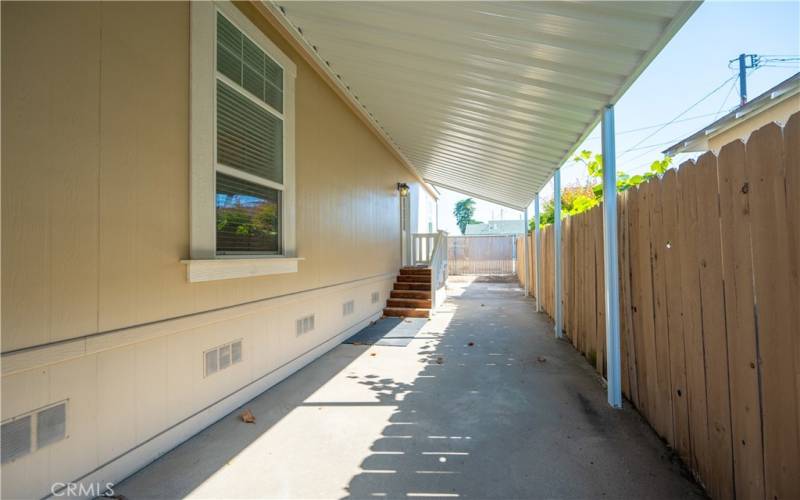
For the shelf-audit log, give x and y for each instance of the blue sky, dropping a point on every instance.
(694, 63)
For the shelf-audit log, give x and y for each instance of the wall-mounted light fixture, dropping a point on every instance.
(402, 188)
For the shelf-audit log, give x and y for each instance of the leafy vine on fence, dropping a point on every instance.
(579, 199)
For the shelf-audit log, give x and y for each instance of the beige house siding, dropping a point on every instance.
(96, 176)
(95, 221)
(779, 113)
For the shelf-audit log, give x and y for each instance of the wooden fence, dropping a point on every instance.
(482, 254)
(709, 260)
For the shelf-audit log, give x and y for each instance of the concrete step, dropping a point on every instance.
(407, 312)
(412, 303)
(424, 271)
(413, 286)
(413, 278)
(410, 294)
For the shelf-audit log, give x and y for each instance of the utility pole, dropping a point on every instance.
(746, 61)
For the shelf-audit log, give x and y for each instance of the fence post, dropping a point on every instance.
(610, 258)
(527, 258)
(557, 252)
(538, 249)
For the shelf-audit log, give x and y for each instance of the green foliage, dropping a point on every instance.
(579, 199)
(464, 210)
(245, 220)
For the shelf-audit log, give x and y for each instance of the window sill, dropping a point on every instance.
(227, 268)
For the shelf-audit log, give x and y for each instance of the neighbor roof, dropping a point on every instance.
(777, 94)
(484, 98)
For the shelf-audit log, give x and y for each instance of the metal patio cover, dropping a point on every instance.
(484, 98)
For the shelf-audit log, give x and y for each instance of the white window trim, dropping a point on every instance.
(203, 166)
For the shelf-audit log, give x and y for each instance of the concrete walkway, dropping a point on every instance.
(438, 418)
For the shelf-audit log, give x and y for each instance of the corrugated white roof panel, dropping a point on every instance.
(487, 98)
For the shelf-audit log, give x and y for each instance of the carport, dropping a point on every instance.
(491, 98)
(488, 99)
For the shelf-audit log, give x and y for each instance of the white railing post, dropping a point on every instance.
(557, 251)
(527, 269)
(610, 262)
(422, 248)
(538, 249)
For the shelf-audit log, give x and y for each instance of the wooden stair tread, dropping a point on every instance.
(415, 271)
(413, 278)
(412, 303)
(406, 312)
(410, 294)
(413, 286)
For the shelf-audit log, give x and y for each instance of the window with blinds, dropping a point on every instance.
(249, 145)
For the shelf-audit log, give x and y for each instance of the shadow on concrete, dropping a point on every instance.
(388, 331)
(503, 410)
(484, 404)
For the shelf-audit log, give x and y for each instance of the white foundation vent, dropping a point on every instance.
(222, 357)
(348, 308)
(376, 296)
(31, 431)
(305, 324)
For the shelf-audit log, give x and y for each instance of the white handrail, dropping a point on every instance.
(422, 245)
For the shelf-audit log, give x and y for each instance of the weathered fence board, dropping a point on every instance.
(709, 259)
(661, 333)
(692, 321)
(672, 281)
(644, 306)
(737, 273)
(776, 337)
(791, 148)
(715, 345)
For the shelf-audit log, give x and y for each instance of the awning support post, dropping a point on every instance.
(527, 257)
(559, 329)
(610, 258)
(538, 252)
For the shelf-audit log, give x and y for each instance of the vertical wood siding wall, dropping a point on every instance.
(710, 309)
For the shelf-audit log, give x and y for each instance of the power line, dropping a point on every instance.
(678, 116)
(648, 127)
(760, 62)
(730, 90)
(651, 146)
(733, 84)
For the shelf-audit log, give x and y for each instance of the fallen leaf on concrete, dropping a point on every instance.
(373, 353)
(440, 360)
(471, 344)
(541, 359)
(248, 417)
